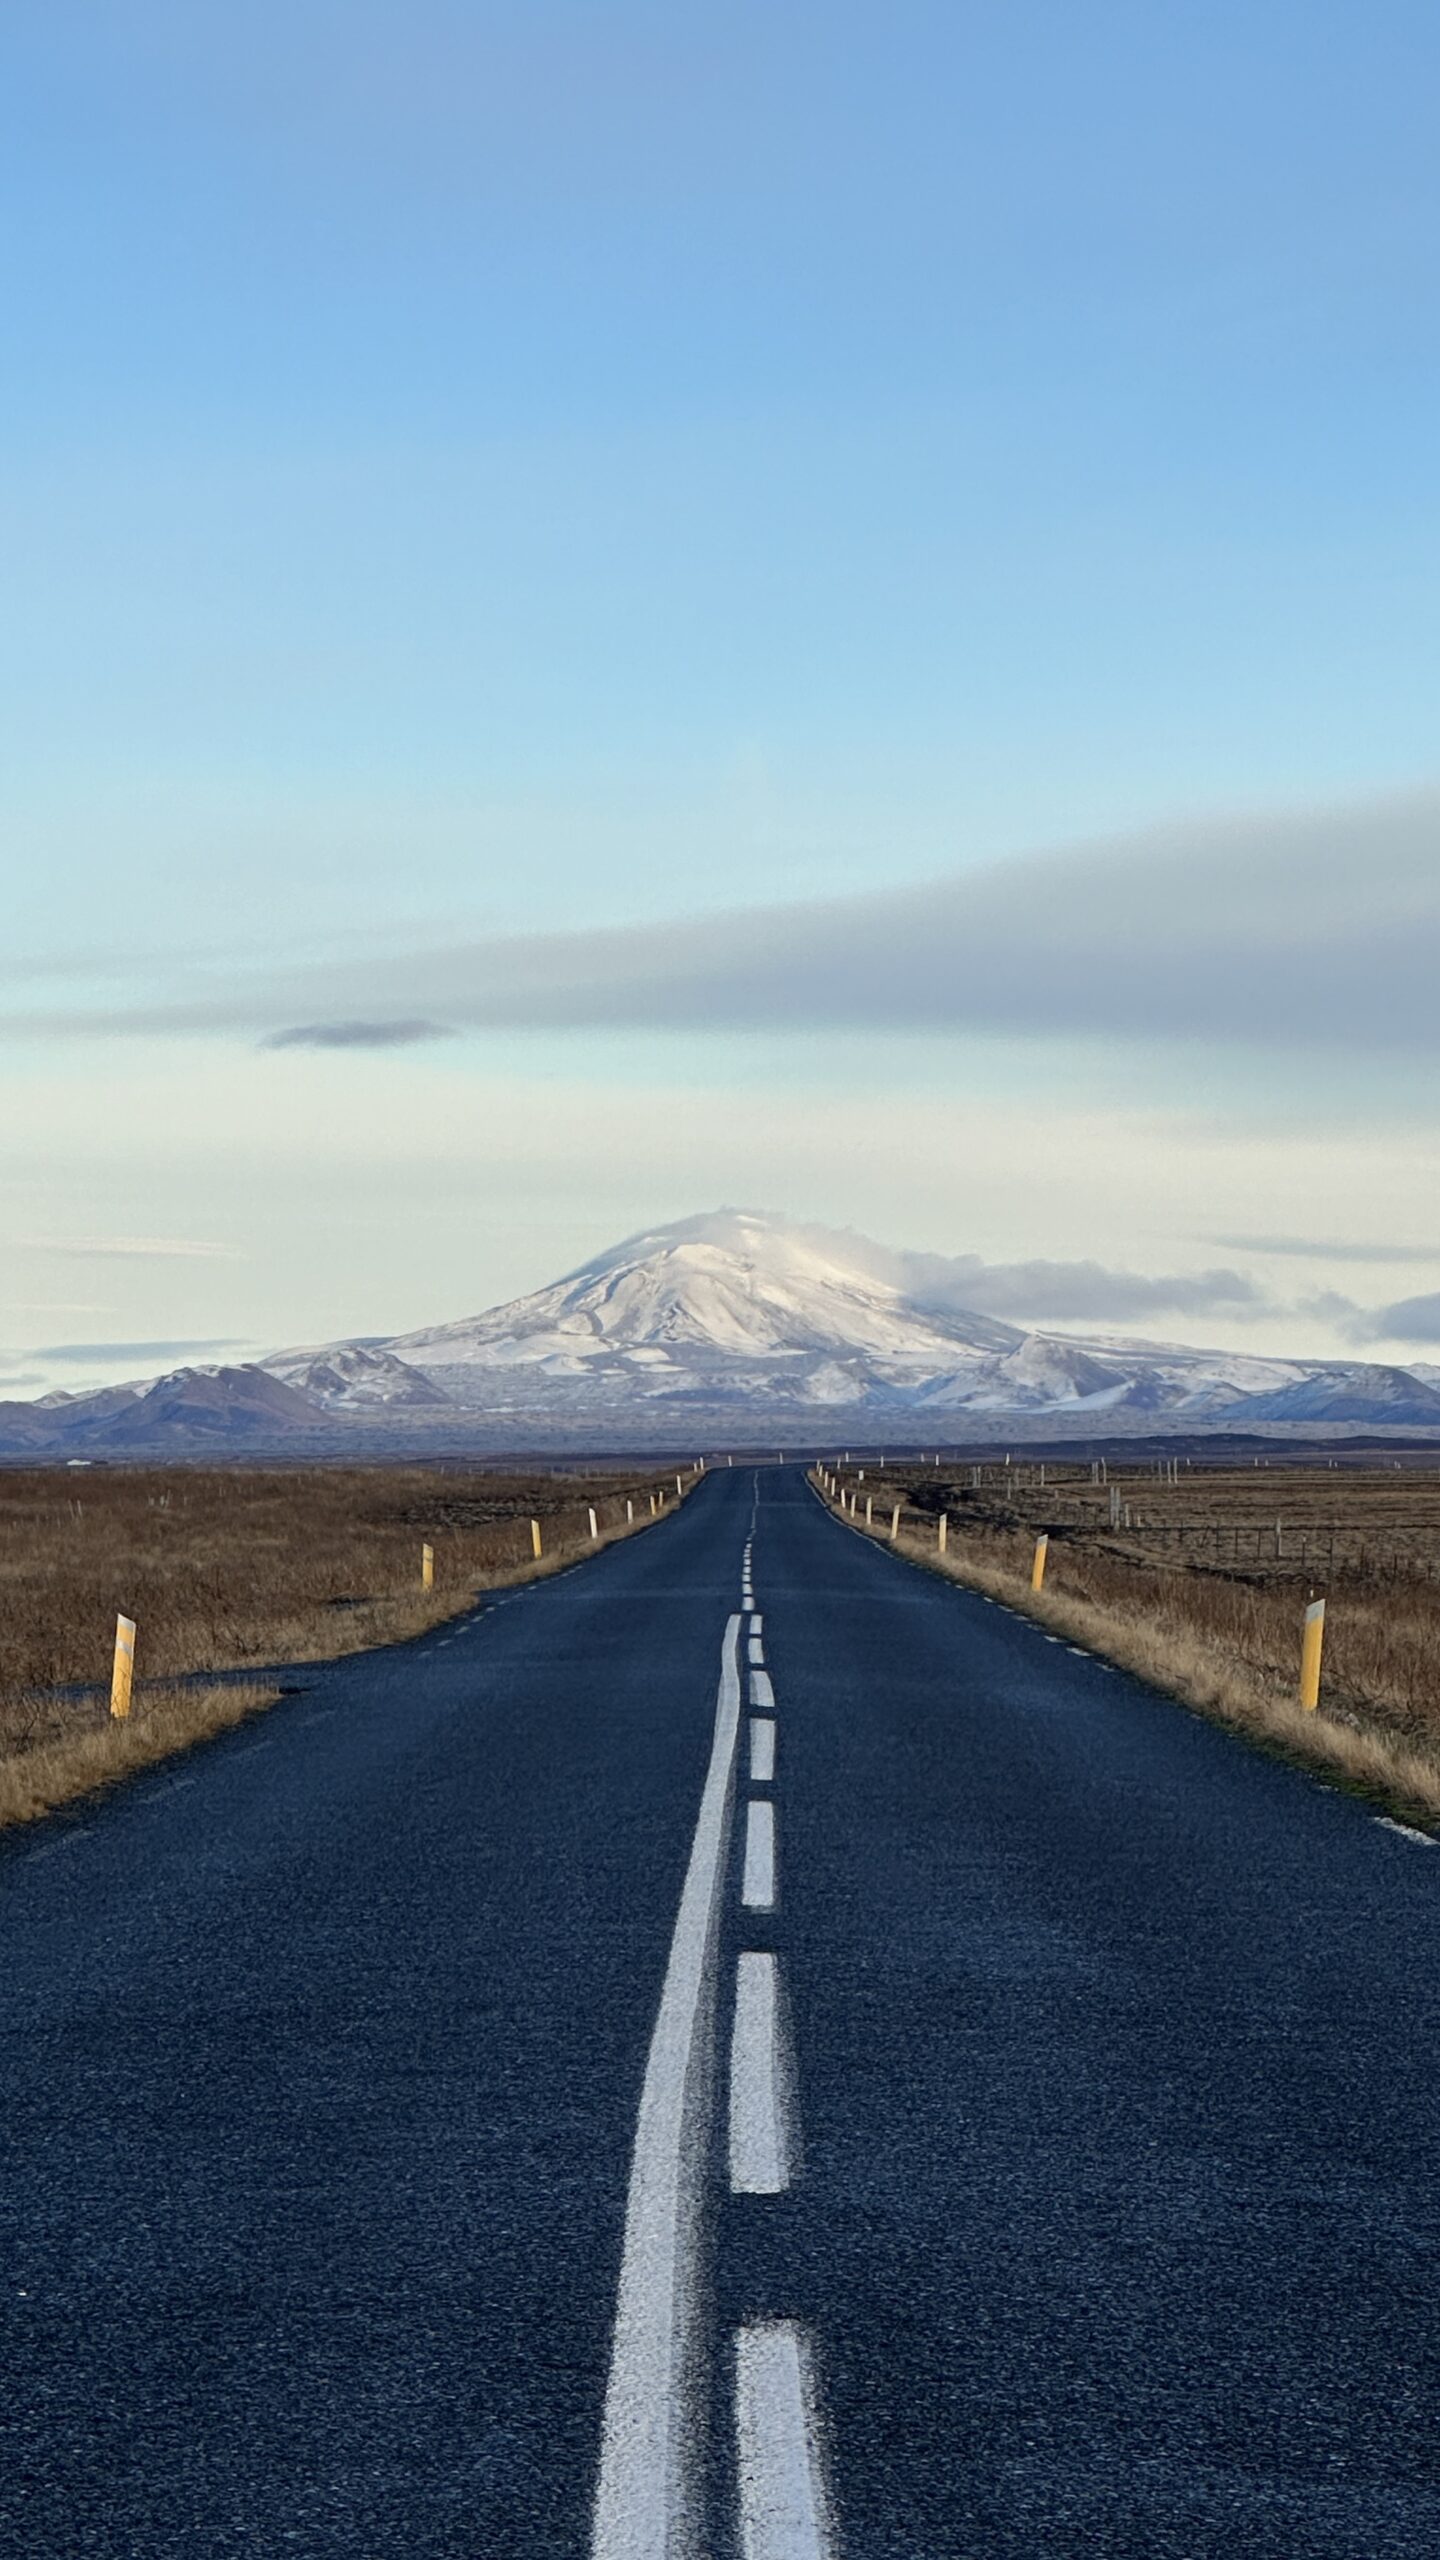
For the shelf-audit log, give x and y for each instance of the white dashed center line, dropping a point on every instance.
(777, 2440)
(647, 2502)
(757, 1650)
(760, 2142)
(758, 1886)
(762, 1751)
(762, 1689)
(756, 1624)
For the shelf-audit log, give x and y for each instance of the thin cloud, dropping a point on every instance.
(81, 1352)
(1319, 929)
(1040, 1292)
(356, 1035)
(1408, 1320)
(1318, 1249)
(1075, 1292)
(160, 1248)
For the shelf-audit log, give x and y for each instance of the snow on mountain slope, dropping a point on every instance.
(718, 1291)
(354, 1377)
(737, 1309)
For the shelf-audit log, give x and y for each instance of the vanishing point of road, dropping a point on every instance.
(741, 2052)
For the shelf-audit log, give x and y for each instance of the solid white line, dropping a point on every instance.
(777, 2446)
(759, 2132)
(762, 1751)
(762, 1689)
(1403, 1831)
(757, 1650)
(647, 2502)
(758, 1887)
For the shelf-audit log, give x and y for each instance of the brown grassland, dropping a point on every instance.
(1201, 1586)
(229, 1569)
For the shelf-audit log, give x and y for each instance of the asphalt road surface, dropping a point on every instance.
(740, 2050)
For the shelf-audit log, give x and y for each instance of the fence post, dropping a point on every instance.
(943, 1533)
(123, 1671)
(535, 1540)
(1311, 1651)
(1037, 1569)
(427, 1567)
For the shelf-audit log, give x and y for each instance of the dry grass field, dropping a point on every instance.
(1201, 1585)
(229, 1569)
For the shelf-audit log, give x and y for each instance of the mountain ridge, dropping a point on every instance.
(721, 1326)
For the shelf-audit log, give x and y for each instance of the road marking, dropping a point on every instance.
(1403, 1831)
(783, 2507)
(1080, 1652)
(762, 1689)
(756, 1623)
(757, 1650)
(762, 1751)
(760, 2144)
(647, 2504)
(758, 1887)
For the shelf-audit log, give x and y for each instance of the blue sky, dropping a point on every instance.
(475, 471)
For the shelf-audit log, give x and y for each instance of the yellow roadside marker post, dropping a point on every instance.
(123, 1672)
(1037, 1569)
(535, 1541)
(1311, 1651)
(427, 1567)
(943, 1533)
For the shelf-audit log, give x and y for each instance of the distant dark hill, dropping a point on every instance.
(188, 1410)
(1361, 1393)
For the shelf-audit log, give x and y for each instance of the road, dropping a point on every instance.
(711, 2057)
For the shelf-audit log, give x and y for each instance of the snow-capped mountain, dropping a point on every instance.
(733, 1303)
(731, 1326)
